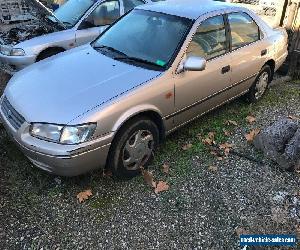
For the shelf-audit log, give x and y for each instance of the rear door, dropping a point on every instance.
(97, 21)
(200, 91)
(249, 51)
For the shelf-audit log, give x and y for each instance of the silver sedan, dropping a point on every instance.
(110, 103)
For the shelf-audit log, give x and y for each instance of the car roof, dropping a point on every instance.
(191, 9)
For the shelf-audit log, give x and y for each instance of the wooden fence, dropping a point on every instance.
(293, 26)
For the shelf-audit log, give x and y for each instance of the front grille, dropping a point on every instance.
(14, 118)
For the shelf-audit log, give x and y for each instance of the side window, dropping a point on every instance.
(130, 4)
(105, 14)
(244, 30)
(209, 41)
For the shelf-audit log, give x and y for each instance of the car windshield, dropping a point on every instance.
(71, 11)
(145, 37)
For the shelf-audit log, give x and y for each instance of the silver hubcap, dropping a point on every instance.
(261, 85)
(138, 149)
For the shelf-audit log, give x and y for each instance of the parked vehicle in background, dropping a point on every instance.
(111, 102)
(73, 24)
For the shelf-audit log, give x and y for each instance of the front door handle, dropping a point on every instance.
(225, 69)
(264, 52)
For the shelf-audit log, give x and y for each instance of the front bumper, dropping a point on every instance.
(64, 160)
(12, 64)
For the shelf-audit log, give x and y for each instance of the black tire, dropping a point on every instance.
(254, 95)
(117, 152)
(48, 53)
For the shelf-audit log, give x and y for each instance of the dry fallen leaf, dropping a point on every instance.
(82, 196)
(251, 136)
(226, 132)
(161, 186)
(208, 141)
(231, 122)
(107, 173)
(166, 168)
(294, 117)
(226, 147)
(213, 168)
(211, 135)
(250, 119)
(148, 177)
(187, 146)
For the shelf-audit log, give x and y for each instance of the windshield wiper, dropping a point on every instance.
(135, 59)
(110, 49)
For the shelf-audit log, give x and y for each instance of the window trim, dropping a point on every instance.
(229, 29)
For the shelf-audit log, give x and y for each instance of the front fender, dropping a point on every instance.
(134, 111)
(64, 39)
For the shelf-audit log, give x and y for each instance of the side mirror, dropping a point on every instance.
(193, 63)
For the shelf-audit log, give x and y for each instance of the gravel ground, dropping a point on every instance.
(204, 208)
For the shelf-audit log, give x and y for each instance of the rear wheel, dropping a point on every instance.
(260, 86)
(133, 147)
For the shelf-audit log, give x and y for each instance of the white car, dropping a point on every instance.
(75, 23)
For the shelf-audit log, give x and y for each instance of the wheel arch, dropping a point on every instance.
(59, 49)
(150, 112)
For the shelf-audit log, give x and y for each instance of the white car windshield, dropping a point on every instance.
(145, 37)
(71, 11)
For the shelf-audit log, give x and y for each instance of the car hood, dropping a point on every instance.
(64, 87)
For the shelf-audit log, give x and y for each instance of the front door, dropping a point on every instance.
(97, 21)
(200, 91)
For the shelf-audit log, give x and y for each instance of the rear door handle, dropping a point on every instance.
(225, 69)
(264, 52)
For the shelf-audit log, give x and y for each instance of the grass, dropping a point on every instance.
(216, 122)
(182, 161)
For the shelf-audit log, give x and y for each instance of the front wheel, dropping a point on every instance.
(133, 147)
(260, 86)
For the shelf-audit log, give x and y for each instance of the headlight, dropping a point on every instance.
(46, 131)
(63, 134)
(78, 134)
(17, 52)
